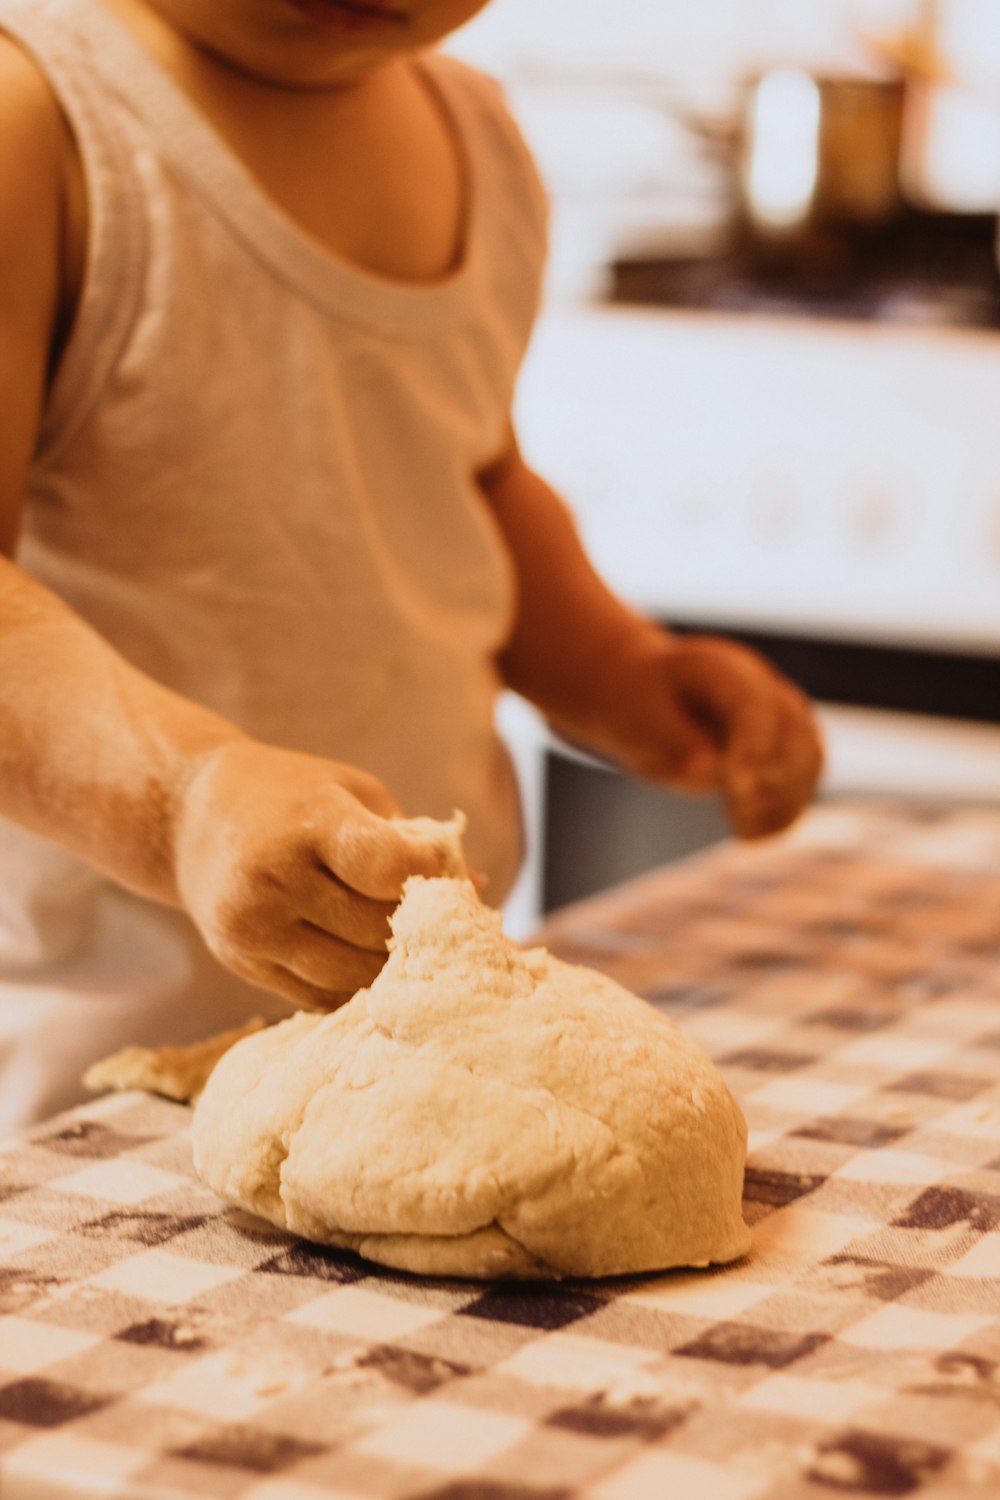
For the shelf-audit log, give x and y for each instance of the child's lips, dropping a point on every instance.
(351, 13)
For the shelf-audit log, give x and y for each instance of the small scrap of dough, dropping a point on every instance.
(176, 1072)
(481, 1111)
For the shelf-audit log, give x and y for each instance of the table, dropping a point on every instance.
(846, 978)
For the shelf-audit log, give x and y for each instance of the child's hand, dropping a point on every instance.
(723, 719)
(290, 866)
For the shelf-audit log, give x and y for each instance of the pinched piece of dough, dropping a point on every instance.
(481, 1111)
(445, 838)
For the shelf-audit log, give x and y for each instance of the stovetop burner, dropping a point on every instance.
(938, 269)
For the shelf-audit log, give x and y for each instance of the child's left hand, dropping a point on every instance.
(719, 718)
(699, 713)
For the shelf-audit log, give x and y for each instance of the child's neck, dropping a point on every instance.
(370, 168)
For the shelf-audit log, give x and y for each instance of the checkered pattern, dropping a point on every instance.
(847, 980)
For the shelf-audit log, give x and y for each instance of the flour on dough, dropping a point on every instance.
(484, 1111)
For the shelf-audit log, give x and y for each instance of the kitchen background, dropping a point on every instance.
(768, 373)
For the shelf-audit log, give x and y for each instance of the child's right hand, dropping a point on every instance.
(290, 866)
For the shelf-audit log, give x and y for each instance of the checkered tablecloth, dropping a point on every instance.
(847, 980)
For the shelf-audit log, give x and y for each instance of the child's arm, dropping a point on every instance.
(694, 712)
(286, 862)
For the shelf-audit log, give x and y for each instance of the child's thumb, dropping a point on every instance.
(698, 764)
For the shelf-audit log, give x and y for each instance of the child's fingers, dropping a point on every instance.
(772, 764)
(300, 992)
(687, 748)
(302, 978)
(699, 767)
(376, 855)
(761, 804)
(327, 963)
(739, 727)
(331, 906)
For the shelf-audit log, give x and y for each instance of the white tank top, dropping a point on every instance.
(255, 477)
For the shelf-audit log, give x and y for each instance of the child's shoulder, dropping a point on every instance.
(35, 139)
(479, 88)
(25, 93)
(487, 99)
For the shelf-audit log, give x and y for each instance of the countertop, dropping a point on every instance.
(846, 978)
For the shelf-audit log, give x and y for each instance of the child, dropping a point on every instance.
(267, 271)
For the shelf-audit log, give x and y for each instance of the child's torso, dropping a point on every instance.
(254, 424)
(256, 473)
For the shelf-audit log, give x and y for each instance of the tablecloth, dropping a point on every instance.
(846, 978)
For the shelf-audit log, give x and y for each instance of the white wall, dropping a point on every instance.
(674, 36)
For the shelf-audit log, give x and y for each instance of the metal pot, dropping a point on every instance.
(819, 152)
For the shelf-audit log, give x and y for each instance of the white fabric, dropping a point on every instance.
(255, 478)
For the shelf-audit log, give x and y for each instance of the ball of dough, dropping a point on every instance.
(484, 1111)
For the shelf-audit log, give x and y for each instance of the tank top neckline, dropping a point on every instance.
(198, 152)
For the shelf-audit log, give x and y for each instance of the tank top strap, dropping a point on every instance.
(116, 238)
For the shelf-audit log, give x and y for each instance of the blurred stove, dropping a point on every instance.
(923, 268)
(826, 489)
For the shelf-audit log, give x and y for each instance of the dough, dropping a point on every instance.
(481, 1111)
(444, 837)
